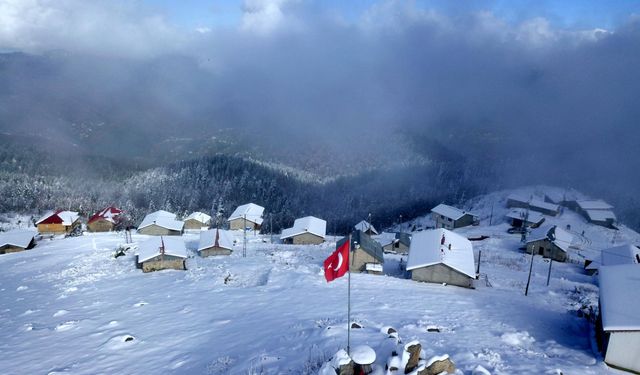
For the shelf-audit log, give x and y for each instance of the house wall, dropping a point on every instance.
(100, 225)
(623, 349)
(306, 239)
(440, 273)
(549, 250)
(464, 221)
(442, 221)
(194, 224)
(359, 259)
(155, 230)
(211, 251)
(236, 224)
(169, 262)
(57, 228)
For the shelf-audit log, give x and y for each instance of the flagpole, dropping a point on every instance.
(349, 300)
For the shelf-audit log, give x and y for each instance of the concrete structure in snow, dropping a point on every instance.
(160, 253)
(307, 230)
(198, 221)
(215, 242)
(619, 319)
(450, 217)
(550, 241)
(247, 216)
(17, 240)
(161, 223)
(59, 222)
(366, 254)
(441, 256)
(104, 220)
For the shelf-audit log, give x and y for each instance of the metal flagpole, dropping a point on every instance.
(349, 300)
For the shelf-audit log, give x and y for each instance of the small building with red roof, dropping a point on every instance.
(104, 220)
(58, 222)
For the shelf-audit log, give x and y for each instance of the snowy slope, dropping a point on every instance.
(69, 307)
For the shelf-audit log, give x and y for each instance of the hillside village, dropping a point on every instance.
(534, 280)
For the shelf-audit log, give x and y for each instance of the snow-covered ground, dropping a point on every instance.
(69, 307)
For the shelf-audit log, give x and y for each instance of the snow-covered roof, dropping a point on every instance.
(199, 216)
(108, 214)
(251, 211)
(308, 224)
(365, 226)
(18, 237)
(67, 217)
(553, 233)
(534, 202)
(162, 219)
(624, 254)
(600, 215)
(427, 249)
(151, 248)
(209, 238)
(450, 211)
(620, 297)
(373, 267)
(594, 204)
(521, 213)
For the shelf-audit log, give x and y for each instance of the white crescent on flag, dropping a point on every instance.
(339, 262)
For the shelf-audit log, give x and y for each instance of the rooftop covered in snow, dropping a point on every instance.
(620, 297)
(593, 204)
(624, 254)
(308, 224)
(150, 248)
(250, 211)
(17, 237)
(522, 214)
(59, 217)
(450, 211)
(365, 226)
(162, 219)
(199, 216)
(432, 247)
(558, 236)
(600, 215)
(215, 238)
(108, 214)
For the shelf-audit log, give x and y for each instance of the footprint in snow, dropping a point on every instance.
(66, 326)
(120, 342)
(140, 304)
(60, 313)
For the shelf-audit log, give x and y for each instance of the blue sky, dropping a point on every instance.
(562, 13)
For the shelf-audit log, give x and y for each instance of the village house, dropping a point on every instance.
(215, 242)
(160, 253)
(550, 241)
(247, 216)
(366, 254)
(161, 223)
(442, 256)
(59, 222)
(398, 244)
(366, 227)
(16, 240)
(532, 203)
(197, 220)
(619, 322)
(596, 212)
(614, 256)
(449, 217)
(104, 220)
(307, 230)
(519, 217)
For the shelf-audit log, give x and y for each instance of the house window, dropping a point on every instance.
(541, 250)
(637, 258)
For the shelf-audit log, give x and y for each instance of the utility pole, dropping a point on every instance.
(244, 236)
(270, 228)
(491, 215)
(549, 274)
(526, 290)
(479, 257)
(400, 223)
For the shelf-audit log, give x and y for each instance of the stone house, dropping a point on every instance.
(160, 253)
(16, 240)
(366, 253)
(450, 217)
(215, 242)
(399, 244)
(550, 241)
(161, 223)
(197, 221)
(247, 216)
(308, 230)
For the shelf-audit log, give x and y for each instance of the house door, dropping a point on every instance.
(541, 250)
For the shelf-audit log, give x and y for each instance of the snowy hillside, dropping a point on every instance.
(69, 307)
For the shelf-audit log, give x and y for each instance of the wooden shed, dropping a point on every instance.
(161, 223)
(550, 241)
(198, 221)
(247, 216)
(450, 217)
(104, 220)
(160, 253)
(308, 230)
(16, 240)
(441, 256)
(619, 322)
(399, 244)
(215, 242)
(59, 222)
(366, 253)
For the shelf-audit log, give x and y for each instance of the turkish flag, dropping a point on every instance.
(337, 264)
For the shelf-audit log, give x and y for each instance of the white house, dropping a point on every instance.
(215, 242)
(619, 307)
(450, 217)
(441, 256)
(161, 223)
(307, 230)
(246, 216)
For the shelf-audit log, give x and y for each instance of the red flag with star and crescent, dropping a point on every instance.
(337, 264)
